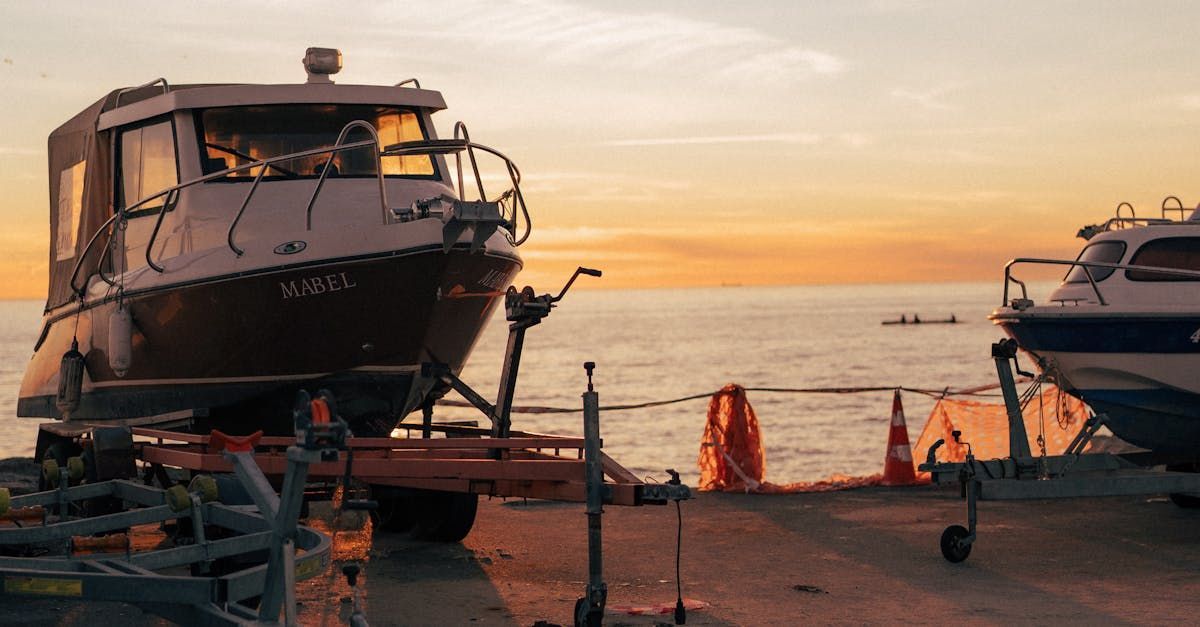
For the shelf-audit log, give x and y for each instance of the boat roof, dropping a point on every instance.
(125, 106)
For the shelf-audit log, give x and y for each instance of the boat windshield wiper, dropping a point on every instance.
(241, 155)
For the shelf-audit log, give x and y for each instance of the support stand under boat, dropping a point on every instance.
(523, 310)
(1023, 476)
(449, 516)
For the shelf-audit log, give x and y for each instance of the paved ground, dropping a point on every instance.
(863, 556)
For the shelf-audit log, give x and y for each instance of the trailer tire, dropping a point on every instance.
(443, 516)
(101, 505)
(952, 550)
(395, 511)
(1186, 500)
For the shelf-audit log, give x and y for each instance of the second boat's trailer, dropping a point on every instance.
(195, 583)
(425, 483)
(1022, 475)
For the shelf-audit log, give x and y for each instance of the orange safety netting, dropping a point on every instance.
(731, 450)
(732, 458)
(1054, 414)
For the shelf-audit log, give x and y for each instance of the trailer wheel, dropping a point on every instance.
(585, 616)
(1186, 500)
(395, 511)
(101, 505)
(952, 547)
(443, 516)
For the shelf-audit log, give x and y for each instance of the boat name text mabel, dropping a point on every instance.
(316, 285)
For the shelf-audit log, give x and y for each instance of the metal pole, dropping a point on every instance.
(592, 609)
(1018, 439)
(501, 420)
(282, 552)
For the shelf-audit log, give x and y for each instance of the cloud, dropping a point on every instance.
(568, 34)
(928, 99)
(1190, 102)
(856, 140)
(785, 138)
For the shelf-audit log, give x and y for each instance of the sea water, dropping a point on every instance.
(651, 345)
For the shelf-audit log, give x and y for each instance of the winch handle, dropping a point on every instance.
(578, 271)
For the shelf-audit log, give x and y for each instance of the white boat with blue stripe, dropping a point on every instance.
(1122, 331)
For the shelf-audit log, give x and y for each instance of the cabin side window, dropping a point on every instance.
(1179, 253)
(147, 165)
(70, 206)
(1109, 251)
(238, 136)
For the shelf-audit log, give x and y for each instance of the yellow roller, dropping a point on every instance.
(50, 472)
(178, 498)
(75, 468)
(205, 486)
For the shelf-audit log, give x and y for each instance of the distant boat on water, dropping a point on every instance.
(916, 319)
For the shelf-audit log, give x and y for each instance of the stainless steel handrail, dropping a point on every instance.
(325, 170)
(466, 137)
(1086, 265)
(165, 86)
(87, 249)
(1179, 207)
(257, 179)
(457, 146)
(429, 146)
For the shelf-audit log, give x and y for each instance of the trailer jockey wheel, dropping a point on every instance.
(586, 615)
(953, 549)
(443, 516)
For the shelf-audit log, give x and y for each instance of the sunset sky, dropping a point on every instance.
(696, 143)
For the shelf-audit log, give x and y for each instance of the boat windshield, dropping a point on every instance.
(232, 136)
(1108, 251)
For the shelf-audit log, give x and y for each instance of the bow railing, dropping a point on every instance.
(512, 199)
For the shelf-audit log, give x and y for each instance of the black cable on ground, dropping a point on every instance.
(680, 611)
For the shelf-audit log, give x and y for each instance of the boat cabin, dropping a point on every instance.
(121, 153)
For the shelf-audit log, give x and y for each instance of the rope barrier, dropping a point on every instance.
(941, 393)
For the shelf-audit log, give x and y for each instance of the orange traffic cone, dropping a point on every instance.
(898, 464)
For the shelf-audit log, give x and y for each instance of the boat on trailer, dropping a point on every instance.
(216, 248)
(1122, 331)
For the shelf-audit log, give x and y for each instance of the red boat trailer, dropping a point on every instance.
(531, 465)
(468, 461)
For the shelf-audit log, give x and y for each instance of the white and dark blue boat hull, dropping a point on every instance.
(1142, 371)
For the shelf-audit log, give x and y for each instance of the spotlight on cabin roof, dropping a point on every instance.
(321, 62)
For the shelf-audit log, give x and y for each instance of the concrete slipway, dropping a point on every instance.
(866, 556)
